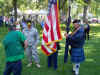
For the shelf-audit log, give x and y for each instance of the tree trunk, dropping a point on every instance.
(2, 12)
(15, 9)
(87, 2)
(85, 12)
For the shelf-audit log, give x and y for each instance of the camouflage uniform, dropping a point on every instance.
(33, 39)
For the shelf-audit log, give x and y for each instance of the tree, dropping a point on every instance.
(15, 9)
(87, 2)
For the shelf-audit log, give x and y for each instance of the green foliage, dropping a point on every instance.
(30, 4)
(6, 6)
(83, 2)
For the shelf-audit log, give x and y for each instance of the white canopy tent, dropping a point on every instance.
(89, 15)
(36, 12)
(19, 12)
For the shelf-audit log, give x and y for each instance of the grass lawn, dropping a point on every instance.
(90, 67)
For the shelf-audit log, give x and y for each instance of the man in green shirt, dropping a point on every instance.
(14, 45)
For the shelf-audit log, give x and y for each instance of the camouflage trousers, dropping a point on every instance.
(31, 52)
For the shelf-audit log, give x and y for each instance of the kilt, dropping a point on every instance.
(77, 55)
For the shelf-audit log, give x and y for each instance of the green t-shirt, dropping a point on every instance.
(13, 44)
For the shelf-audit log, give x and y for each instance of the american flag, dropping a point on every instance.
(51, 31)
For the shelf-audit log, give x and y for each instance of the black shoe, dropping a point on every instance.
(55, 68)
(73, 71)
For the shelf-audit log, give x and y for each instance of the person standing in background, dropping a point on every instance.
(87, 30)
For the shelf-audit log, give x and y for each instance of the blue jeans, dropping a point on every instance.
(13, 67)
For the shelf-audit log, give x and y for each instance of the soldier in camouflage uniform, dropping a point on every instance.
(33, 39)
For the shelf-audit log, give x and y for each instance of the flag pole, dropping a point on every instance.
(67, 30)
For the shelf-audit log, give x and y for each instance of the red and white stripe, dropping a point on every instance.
(51, 31)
